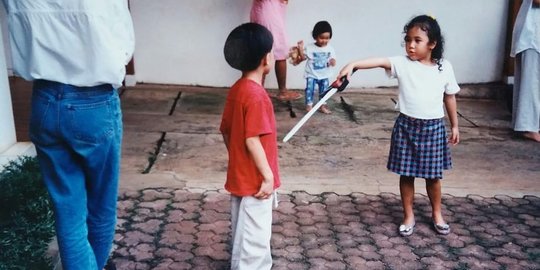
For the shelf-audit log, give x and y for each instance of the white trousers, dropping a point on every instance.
(251, 221)
(526, 107)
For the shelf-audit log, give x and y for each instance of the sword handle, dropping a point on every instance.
(344, 82)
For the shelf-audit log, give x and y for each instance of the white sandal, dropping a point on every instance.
(406, 230)
(443, 229)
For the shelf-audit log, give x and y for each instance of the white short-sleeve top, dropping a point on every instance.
(526, 34)
(318, 58)
(422, 87)
(77, 42)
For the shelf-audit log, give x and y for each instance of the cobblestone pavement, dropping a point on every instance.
(167, 228)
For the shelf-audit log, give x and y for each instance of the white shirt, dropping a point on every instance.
(422, 87)
(77, 42)
(317, 65)
(526, 34)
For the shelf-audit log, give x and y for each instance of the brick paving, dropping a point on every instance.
(165, 228)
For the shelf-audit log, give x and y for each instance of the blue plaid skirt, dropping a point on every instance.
(419, 148)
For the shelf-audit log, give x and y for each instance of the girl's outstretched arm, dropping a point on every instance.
(363, 64)
(451, 110)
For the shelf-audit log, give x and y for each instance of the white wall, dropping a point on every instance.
(181, 41)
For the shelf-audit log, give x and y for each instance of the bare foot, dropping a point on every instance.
(286, 95)
(324, 109)
(535, 136)
(308, 108)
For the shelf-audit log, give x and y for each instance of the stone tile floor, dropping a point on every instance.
(163, 228)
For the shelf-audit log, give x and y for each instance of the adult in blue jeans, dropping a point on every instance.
(75, 51)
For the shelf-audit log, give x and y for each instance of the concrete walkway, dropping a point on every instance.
(339, 206)
(177, 129)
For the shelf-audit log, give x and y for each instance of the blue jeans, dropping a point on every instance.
(310, 88)
(77, 132)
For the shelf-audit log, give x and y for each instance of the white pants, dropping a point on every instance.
(526, 107)
(251, 221)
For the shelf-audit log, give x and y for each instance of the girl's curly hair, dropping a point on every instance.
(431, 27)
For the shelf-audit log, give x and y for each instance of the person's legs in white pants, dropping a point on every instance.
(251, 222)
(526, 107)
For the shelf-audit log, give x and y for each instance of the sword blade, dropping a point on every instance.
(309, 114)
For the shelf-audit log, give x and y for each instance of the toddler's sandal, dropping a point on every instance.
(406, 230)
(443, 229)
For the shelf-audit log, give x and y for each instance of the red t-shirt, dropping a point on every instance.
(248, 113)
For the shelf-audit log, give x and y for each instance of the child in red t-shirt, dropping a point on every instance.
(248, 126)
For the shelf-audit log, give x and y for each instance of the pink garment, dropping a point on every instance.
(271, 14)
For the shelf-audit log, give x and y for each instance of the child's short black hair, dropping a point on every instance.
(321, 27)
(247, 45)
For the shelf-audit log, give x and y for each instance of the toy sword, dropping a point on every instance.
(330, 91)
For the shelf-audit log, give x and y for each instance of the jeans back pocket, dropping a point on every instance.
(92, 122)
